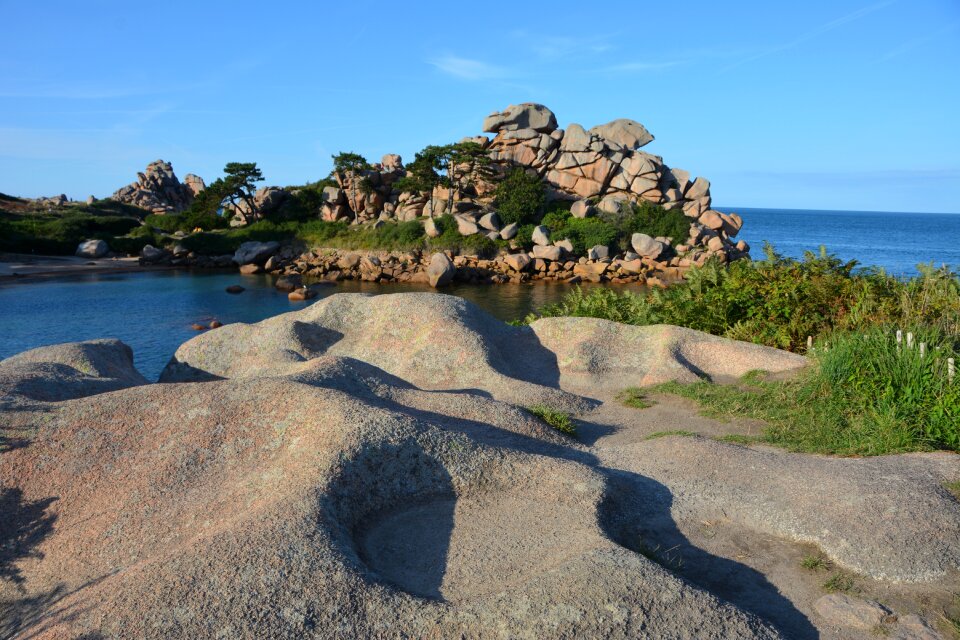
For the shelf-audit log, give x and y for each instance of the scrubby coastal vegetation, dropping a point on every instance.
(883, 349)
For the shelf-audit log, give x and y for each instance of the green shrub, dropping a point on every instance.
(583, 233)
(520, 197)
(450, 239)
(222, 242)
(187, 221)
(646, 217)
(60, 235)
(780, 301)
(559, 420)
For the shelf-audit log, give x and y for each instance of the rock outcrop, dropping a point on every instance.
(158, 190)
(363, 468)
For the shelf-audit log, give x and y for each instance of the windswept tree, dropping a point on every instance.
(348, 167)
(466, 162)
(422, 174)
(237, 186)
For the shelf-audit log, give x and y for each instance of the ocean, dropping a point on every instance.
(897, 242)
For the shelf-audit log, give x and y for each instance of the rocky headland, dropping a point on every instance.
(367, 467)
(601, 171)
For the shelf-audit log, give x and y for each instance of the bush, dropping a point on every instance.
(582, 232)
(519, 197)
(450, 239)
(187, 221)
(37, 233)
(222, 242)
(780, 301)
(646, 217)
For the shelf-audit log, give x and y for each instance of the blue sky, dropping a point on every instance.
(845, 105)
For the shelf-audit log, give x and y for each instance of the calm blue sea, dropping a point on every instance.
(895, 241)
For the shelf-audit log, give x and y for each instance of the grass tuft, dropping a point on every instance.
(815, 562)
(559, 420)
(634, 397)
(675, 432)
(839, 582)
(954, 488)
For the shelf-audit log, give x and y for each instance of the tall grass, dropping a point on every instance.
(866, 394)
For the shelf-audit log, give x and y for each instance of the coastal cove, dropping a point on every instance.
(153, 311)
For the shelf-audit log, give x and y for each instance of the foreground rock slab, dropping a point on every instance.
(365, 467)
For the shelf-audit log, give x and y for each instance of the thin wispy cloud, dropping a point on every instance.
(469, 69)
(640, 66)
(916, 42)
(810, 35)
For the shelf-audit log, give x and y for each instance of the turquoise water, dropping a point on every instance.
(153, 311)
(894, 241)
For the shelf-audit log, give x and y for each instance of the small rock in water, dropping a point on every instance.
(196, 326)
(215, 324)
(235, 288)
(302, 294)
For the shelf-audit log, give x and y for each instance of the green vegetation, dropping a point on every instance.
(780, 301)
(646, 217)
(634, 397)
(59, 232)
(520, 197)
(865, 395)
(954, 488)
(839, 582)
(674, 432)
(557, 419)
(815, 562)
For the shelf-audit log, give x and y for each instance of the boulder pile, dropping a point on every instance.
(598, 169)
(158, 190)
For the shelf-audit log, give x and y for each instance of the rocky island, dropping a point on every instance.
(378, 466)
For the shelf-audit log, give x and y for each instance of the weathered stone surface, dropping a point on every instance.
(712, 220)
(624, 133)
(590, 271)
(441, 270)
(430, 228)
(646, 246)
(527, 115)
(598, 252)
(581, 209)
(491, 221)
(509, 232)
(517, 261)
(564, 244)
(541, 235)
(547, 252)
(255, 252)
(369, 455)
(392, 162)
(92, 249)
(466, 225)
(846, 611)
(150, 254)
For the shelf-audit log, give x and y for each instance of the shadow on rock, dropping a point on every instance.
(636, 514)
(23, 526)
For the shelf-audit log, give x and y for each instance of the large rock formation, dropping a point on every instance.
(362, 468)
(158, 190)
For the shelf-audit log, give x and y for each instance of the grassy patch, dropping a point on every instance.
(559, 420)
(815, 562)
(839, 582)
(663, 434)
(634, 397)
(866, 394)
(739, 438)
(954, 488)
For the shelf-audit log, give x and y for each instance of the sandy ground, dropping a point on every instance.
(15, 267)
